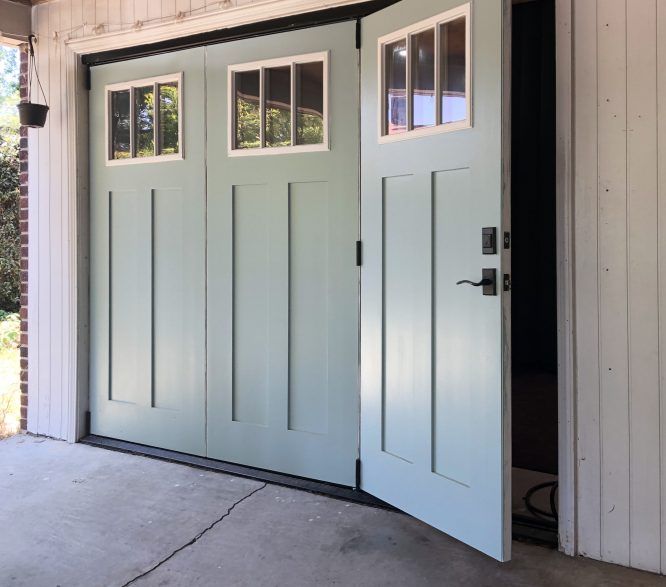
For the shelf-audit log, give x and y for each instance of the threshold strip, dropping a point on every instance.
(319, 487)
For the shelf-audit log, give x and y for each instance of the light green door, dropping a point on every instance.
(282, 225)
(434, 414)
(147, 235)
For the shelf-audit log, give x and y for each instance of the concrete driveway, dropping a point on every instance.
(77, 515)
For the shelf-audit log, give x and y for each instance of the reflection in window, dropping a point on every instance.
(168, 118)
(453, 45)
(424, 74)
(120, 124)
(423, 78)
(310, 103)
(277, 84)
(395, 59)
(144, 120)
(248, 110)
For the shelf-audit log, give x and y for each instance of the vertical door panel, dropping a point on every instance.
(147, 364)
(433, 406)
(283, 374)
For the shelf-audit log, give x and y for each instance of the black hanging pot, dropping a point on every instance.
(33, 114)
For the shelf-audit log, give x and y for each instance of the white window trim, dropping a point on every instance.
(161, 79)
(405, 33)
(292, 61)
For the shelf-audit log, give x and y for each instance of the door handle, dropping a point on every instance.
(488, 282)
(484, 281)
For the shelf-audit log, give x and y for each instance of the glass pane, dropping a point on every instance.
(144, 120)
(168, 118)
(423, 78)
(120, 125)
(248, 111)
(395, 72)
(310, 103)
(453, 60)
(277, 89)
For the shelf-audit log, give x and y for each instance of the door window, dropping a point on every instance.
(425, 77)
(144, 122)
(279, 106)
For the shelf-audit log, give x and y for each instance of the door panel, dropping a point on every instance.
(147, 371)
(282, 281)
(434, 412)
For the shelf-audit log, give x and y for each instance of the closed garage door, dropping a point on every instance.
(224, 215)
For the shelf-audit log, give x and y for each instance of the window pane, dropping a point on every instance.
(395, 63)
(168, 118)
(277, 89)
(423, 78)
(144, 120)
(120, 124)
(453, 60)
(310, 103)
(248, 111)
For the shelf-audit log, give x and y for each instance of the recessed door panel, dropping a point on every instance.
(434, 410)
(147, 227)
(282, 226)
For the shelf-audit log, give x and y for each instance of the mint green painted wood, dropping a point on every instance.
(282, 281)
(147, 361)
(433, 412)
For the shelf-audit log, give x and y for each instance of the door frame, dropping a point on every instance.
(78, 177)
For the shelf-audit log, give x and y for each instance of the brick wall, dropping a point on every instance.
(23, 205)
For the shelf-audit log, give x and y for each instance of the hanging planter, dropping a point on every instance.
(33, 114)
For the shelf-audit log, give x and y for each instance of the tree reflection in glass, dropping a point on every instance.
(168, 118)
(248, 109)
(310, 103)
(277, 84)
(144, 120)
(120, 125)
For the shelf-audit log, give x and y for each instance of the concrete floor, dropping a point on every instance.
(76, 515)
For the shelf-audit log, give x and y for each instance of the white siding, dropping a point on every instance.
(619, 190)
(619, 145)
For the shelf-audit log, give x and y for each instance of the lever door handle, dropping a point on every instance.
(488, 282)
(485, 281)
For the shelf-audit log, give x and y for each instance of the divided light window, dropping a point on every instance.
(144, 120)
(279, 105)
(425, 77)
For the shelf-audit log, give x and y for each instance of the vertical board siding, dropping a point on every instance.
(661, 252)
(586, 289)
(619, 49)
(643, 293)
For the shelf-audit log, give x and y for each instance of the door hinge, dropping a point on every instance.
(507, 240)
(359, 253)
(358, 474)
(358, 33)
(507, 282)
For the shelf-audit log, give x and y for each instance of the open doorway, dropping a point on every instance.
(534, 284)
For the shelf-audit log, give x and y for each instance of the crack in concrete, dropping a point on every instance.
(196, 538)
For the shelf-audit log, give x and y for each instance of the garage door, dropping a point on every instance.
(224, 286)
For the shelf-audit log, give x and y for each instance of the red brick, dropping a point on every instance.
(24, 412)
(24, 364)
(23, 313)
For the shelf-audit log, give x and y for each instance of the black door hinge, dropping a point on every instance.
(358, 33)
(507, 282)
(507, 240)
(358, 474)
(359, 253)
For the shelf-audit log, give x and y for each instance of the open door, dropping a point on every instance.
(434, 336)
